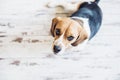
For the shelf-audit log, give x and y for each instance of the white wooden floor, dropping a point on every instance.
(25, 44)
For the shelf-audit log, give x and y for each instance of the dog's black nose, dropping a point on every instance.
(56, 49)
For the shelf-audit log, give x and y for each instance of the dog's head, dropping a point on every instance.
(66, 32)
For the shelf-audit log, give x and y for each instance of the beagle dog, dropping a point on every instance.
(75, 31)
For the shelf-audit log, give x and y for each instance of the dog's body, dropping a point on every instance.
(77, 29)
(92, 12)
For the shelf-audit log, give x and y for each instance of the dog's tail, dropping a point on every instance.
(97, 1)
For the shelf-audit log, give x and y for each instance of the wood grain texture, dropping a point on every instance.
(25, 44)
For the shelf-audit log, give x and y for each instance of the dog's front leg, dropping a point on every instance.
(67, 6)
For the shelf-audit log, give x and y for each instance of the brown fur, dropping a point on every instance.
(68, 27)
(54, 22)
(82, 36)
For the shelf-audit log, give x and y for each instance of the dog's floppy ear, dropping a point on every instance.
(54, 23)
(81, 37)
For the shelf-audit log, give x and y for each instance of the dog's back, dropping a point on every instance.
(93, 13)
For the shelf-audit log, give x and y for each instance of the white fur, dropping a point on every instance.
(59, 42)
(85, 24)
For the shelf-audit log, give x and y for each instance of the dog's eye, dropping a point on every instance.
(70, 38)
(57, 31)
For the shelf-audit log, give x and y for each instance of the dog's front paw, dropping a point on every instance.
(51, 4)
